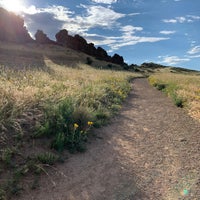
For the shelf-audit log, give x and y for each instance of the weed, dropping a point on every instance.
(35, 183)
(7, 156)
(178, 101)
(59, 142)
(47, 158)
(2, 194)
(161, 86)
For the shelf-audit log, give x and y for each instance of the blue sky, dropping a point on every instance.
(160, 31)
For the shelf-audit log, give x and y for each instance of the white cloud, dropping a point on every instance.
(105, 1)
(101, 16)
(131, 29)
(194, 56)
(172, 60)
(188, 19)
(181, 19)
(169, 20)
(127, 38)
(167, 32)
(133, 41)
(95, 16)
(194, 50)
(195, 17)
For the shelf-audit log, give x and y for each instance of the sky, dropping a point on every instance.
(166, 32)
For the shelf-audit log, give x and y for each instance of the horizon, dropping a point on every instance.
(138, 30)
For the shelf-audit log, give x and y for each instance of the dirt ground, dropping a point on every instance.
(150, 151)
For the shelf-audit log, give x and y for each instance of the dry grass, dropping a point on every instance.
(186, 86)
(36, 82)
(34, 76)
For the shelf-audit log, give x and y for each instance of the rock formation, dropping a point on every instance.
(12, 28)
(78, 43)
(42, 38)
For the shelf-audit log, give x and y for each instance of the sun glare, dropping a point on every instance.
(13, 5)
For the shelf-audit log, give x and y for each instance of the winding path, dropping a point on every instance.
(150, 151)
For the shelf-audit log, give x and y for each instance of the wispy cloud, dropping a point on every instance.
(54, 18)
(100, 16)
(172, 60)
(194, 50)
(105, 1)
(129, 30)
(76, 24)
(194, 56)
(182, 19)
(128, 37)
(164, 32)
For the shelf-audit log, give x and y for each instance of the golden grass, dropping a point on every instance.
(20, 90)
(187, 87)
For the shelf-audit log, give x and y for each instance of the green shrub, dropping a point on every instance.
(89, 61)
(2, 194)
(160, 86)
(7, 156)
(178, 101)
(67, 125)
(47, 158)
(59, 142)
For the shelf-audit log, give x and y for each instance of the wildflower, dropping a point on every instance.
(75, 126)
(90, 123)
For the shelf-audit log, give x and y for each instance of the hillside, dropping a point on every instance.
(50, 99)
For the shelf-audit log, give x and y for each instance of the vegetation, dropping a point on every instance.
(51, 108)
(183, 86)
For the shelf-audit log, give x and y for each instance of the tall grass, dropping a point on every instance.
(183, 88)
(58, 103)
(21, 91)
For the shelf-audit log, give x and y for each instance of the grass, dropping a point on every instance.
(183, 88)
(50, 108)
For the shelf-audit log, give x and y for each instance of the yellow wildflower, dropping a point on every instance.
(90, 123)
(76, 125)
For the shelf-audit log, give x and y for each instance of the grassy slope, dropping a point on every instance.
(183, 86)
(50, 99)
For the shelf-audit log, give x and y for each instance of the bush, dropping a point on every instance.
(89, 61)
(47, 158)
(160, 86)
(178, 101)
(67, 125)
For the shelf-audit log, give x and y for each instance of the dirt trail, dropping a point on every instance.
(150, 151)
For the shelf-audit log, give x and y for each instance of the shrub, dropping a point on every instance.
(47, 158)
(67, 125)
(7, 156)
(89, 61)
(178, 101)
(160, 86)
